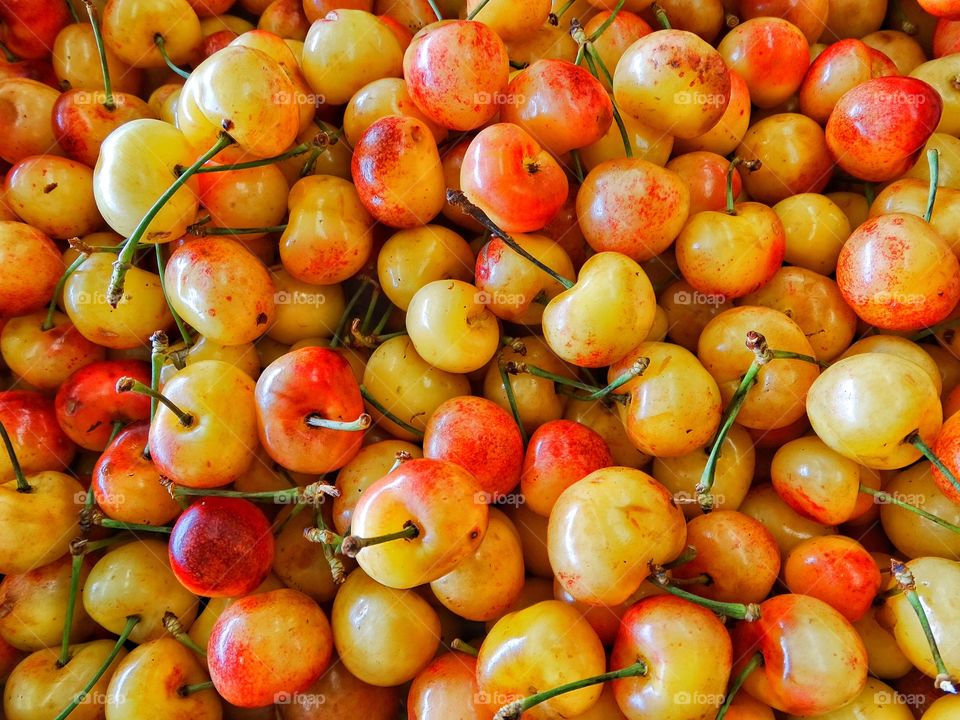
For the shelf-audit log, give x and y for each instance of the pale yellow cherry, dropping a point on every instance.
(136, 579)
(816, 227)
(45, 358)
(732, 479)
(537, 398)
(485, 584)
(940, 74)
(451, 327)
(304, 310)
(26, 107)
(906, 51)
(163, 102)
(787, 526)
(884, 657)
(38, 688)
(949, 148)
(130, 28)
(202, 627)
(142, 309)
(608, 312)
(605, 421)
(944, 708)
(54, 195)
(369, 465)
(901, 347)
(937, 584)
(509, 20)
(909, 195)
(646, 142)
(866, 406)
(606, 529)
(77, 64)
(411, 388)
(149, 682)
(138, 162)
(346, 50)
(410, 259)
(334, 159)
(877, 701)
(250, 198)
(378, 99)
(398, 636)
(243, 357)
(914, 536)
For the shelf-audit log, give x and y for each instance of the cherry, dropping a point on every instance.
(447, 688)
(724, 137)
(38, 441)
(816, 228)
(343, 695)
(34, 265)
(770, 54)
(252, 641)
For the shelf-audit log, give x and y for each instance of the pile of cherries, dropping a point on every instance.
(480, 359)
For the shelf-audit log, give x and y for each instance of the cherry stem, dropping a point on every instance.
(8, 54)
(22, 485)
(889, 499)
(162, 47)
(337, 338)
(915, 440)
(100, 519)
(108, 102)
(750, 165)
(353, 544)
(731, 20)
(382, 323)
(399, 459)
(361, 423)
(74, 15)
(371, 308)
(688, 555)
(201, 230)
(118, 425)
(125, 258)
(933, 161)
(172, 625)
(594, 61)
(159, 344)
(701, 579)
(907, 583)
(132, 620)
(330, 542)
(511, 398)
(436, 10)
(477, 9)
(188, 690)
(755, 662)
(250, 164)
(58, 291)
(661, 16)
(608, 22)
(739, 611)
(128, 384)
(577, 165)
(554, 18)
(515, 710)
(378, 406)
(76, 565)
(464, 647)
(459, 199)
(313, 493)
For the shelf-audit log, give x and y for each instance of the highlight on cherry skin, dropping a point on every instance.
(479, 360)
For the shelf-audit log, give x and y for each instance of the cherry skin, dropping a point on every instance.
(837, 570)
(221, 547)
(705, 174)
(253, 640)
(678, 685)
(788, 527)
(814, 480)
(34, 266)
(309, 382)
(448, 688)
(798, 676)
(46, 358)
(344, 695)
(480, 436)
(81, 121)
(809, 17)
(947, 448)
(38, 440)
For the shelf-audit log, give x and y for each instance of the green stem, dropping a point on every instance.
(76, 565)
(933, 160)
(205, 230)
(459, 199)
(870, 193)
(737, 611)
(331, 551)
(516, 709)
(389, 415)
(159, 344)
(788, 355)
(888, 499)
(22, 485)
(755, 662)
(162, 47)
(279, 497)
(8, 54)
(58, 291)
(688, 555)
(577, 165)
(516, 368)
(128, 384)
(608, 22)
(907, 583)
(172, 625)
(188, 690)
(108, 102)
(635, 370)
(118, 425)
(123, 262)
(371, 308)
(464, 647)
(337, 338)
(511, 399)
(74, 15)
(361, 423)
(131, 527)
(436, 10)
(384, 319)
(555, 17)
(132, 620)
(249, 164)
(477, 10)
(661, 16)
(353, 544)
(915, 440)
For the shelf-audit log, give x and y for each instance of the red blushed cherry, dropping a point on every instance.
(946, 446)
(217, 41)
(946, 38)
(29, 28)
(509, 176)
(948, 9)
(481, 437)
(38, 440)
(837, 570)
(81, 121)
(560, 453)
(705, 174)
(88, 403)
(221, 547)
(39, 70)
(876, 129)
(309, 411)
(268, 645)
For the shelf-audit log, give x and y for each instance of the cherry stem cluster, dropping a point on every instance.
(477, 9)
